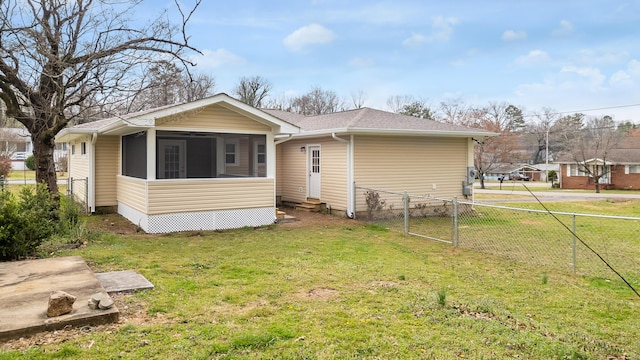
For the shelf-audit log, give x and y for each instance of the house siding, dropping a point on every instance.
(212, 118)
(292, 176)
(107, 169)
(412, 164)
(79, 170)
(132, 192)
(175, 196)
(333, 169)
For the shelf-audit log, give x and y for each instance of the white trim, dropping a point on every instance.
(236, 151)
(151, 154)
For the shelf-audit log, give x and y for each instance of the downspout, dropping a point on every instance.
(350, 197)
(92, 174)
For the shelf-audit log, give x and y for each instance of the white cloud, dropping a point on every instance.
(512, 35)
(217, 58)
(307, 35)
(442, 31)
(593, 77)
(566, 28)
(533, 57)
(628, 77)
(590, 56)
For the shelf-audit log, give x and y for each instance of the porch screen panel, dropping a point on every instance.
(134, 155)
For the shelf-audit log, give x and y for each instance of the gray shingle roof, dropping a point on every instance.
(370, 119)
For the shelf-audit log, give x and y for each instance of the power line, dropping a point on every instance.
(585, 110)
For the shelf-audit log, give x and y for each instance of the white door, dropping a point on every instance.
(313, 165)
(172, 159)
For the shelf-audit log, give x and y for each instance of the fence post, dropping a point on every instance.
(574, 245)
(405, 203)
(70, 186)
(455, 221)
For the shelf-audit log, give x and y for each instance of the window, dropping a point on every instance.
(73, 149)
(576, 170)
(261, 154)
(231, 152)
(83, 148)
(634, 169)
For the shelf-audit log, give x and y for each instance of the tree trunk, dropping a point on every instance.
(597, 185)
(481, 181)
(43, 148)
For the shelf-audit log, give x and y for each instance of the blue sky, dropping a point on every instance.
(563, 54)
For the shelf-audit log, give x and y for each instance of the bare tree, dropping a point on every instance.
(253, 90)
(56, 54)
(358, 98)
(316, 102)
(396, 103)
(455, 111)
(592, 147)
(197, 87)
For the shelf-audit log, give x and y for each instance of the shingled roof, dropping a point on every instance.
(375, 121)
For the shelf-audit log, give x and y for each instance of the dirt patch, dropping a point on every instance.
(383, 284)
(131, 312)
(319, 294)
(305, 218)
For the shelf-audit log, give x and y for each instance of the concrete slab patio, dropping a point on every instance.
(24, 294)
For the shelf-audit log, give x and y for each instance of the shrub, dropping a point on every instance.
(25, 223)
(30, 163)
(5, 166)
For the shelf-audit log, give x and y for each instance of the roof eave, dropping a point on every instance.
(400, 132)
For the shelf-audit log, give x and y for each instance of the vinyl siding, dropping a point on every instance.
(292, 177)
(412, 164)
(107, 168)
(212, 118)
(132, 192)
(185, 195)
(79, 169)
(333, 172)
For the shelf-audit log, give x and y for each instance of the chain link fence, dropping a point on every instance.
(78, 190)
(535, 236)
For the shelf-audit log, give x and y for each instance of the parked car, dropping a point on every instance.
(518, 176)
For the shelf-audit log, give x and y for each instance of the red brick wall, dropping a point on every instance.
(619, 180)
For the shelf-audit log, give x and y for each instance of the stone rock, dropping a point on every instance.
(60, 303)
(100, 301)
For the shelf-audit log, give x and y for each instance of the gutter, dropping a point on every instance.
(289, 137)
(350, 191)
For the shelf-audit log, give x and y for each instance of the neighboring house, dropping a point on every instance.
(16, 143)
(621, 167)
(208, 164)
(515, 172)
(218, 163)
(372, 149)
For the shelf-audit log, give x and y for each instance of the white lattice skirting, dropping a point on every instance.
(198, 220)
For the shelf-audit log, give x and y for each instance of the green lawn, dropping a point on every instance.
(28, 175)
(356, 291)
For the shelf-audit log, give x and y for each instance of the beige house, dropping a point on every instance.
(373, 149)
(208, 164)
(218, 163)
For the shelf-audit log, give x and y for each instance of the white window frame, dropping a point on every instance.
(236, 152)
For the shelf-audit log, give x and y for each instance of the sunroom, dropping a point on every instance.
(205, 165)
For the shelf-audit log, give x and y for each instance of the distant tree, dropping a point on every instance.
(540, 130)
(515, 118)
(197, 86)
(316, 102)
(252, 90)
(455, 111)
(358, 99)
(592, 147)
(55, 55)
(418, 108)
(396, 103)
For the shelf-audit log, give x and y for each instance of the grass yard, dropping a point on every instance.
(343, 290)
